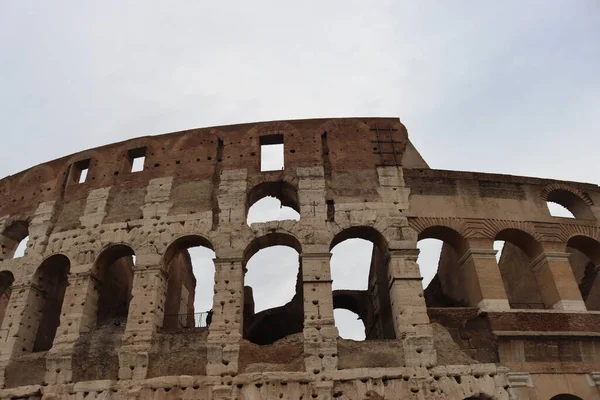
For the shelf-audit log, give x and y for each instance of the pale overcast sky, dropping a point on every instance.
(506, 86)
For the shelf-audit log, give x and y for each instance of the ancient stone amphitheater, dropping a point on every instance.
(101, 304)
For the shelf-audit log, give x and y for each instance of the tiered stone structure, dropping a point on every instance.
(83, 312)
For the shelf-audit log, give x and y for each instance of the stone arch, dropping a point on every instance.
(50, 279)
(448, 287)
(179, 310)
(44, 174)
(114, 270)
(566, 396)
(15, 232)
(6, 281)
(270, 325)
(520, 281)
(585, 262)
(285, 192)
(577, 202)
(376, 312)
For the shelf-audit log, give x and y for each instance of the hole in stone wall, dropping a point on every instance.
(584, 257)
(350, 266)
(51, 278)
(80, 171)
(273, 305)
(14, 239)
(349, 324)
(272, 201)
(271, 153)
(557, 210)
(190, 286)
(21, 248)
(514, 262)
(360, 284)
(270, 209)
(430, 251)
(136, 158)
(115, 279)
(438, 263)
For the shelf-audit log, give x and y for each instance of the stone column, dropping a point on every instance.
(21, 320)
(78, 315)
(225, 331)
(145, 316)
(409, 311)
(320, 333)
(556, 282)
(483, 282)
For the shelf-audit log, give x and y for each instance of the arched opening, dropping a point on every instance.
(273, 293)
(350, 265)
(6, 281)
(51, 279)
(571, 205)
(440, 249)
(585, 261)
(272, 201)
(515, 259)
(566, 396)
(13, 241)
(556, 210)
(114, 269)
(190, 284)
(479, 397)
(360, 284)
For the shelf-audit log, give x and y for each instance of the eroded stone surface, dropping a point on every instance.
(525, 327)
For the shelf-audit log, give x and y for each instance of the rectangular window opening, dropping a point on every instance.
(137, 157)
(80, 171)
(271, 153)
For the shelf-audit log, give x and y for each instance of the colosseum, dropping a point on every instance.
(101, 304)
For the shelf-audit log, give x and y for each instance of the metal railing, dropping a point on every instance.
(186, 321)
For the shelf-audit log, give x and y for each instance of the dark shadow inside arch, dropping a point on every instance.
(520, 282)
(440, 250)
(566, 396)
(114, 269)
(14, 239)
(187, 261)
(584, 257)
(572, 202)
(362, 289)
(6, 281)
(51, 280)
(280, 258)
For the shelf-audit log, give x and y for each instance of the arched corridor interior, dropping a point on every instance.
(51, 279)
(273, 293)
(350, 265)
(115, 280)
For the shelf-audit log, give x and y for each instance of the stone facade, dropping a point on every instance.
(85, 313)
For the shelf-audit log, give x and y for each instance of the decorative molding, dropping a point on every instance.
(561, 186)
(593, 378)
(519, 379)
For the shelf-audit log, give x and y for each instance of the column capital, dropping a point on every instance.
(306, 255)
(537, 262)
(476, 253)
(411, 253)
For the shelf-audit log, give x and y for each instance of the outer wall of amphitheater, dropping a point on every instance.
(83, 312)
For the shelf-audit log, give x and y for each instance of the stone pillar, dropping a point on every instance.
(409, 311)
(483, 282)
(78, 315)
(225, 331)
(320, 333)
(21, 320)
(145, 315)
(556, 282)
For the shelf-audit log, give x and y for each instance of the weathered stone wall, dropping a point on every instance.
(348, 178)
